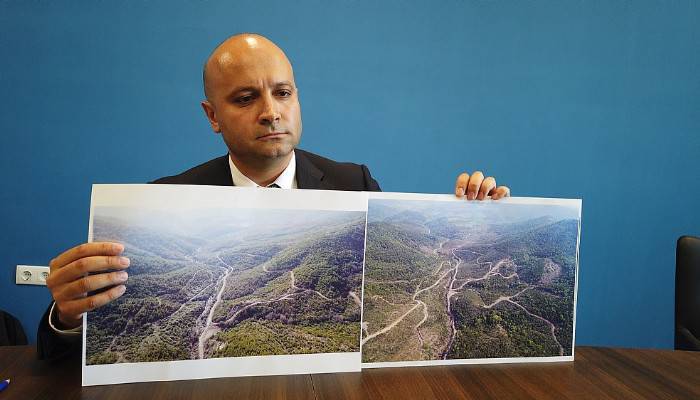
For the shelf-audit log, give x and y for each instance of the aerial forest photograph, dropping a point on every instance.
(216, 283)
(456, 280)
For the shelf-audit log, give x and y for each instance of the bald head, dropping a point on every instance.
(252, 102)
(239, 52)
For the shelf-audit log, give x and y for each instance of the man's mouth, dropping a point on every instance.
(272, 135)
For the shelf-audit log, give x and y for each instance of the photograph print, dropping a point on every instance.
(449, 280)
(219, 283)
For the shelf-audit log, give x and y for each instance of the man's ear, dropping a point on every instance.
(211, 116)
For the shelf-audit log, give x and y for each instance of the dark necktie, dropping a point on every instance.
(273, 186)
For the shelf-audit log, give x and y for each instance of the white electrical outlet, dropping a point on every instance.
(31, 275)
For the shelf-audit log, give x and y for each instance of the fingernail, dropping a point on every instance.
(118, 248)
(122, 276)
(124, 262)
(460, 191)
(120, 290)
(471, 196)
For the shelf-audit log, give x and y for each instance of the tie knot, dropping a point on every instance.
(273, 186)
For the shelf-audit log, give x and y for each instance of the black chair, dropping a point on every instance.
(11, 331)
(688, 293)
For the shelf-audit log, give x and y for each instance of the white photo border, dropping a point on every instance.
(293, 364)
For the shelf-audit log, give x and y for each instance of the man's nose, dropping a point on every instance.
(269, 114)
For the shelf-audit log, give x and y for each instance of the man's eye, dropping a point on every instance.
(284, 93)
(244, 99)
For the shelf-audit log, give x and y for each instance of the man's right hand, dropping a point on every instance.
(70, 281)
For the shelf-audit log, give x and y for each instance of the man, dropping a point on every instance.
(251, 100)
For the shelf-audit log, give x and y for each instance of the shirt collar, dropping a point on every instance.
(286, 180)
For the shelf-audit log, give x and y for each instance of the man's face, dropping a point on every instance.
(253, 103)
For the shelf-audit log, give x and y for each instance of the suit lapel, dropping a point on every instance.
(221, 173)
(308, 175)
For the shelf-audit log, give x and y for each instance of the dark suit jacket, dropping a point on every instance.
(313, 172)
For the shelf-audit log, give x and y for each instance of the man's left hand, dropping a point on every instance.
(476, 187)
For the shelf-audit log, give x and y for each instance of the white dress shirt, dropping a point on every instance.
(78, 330)
(286, 180)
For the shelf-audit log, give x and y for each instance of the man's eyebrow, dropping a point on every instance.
(244, 89)
(256, 89)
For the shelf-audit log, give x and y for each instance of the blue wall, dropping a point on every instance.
(597, 100)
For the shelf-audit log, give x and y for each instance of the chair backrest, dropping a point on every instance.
(11, 331)
(688, 293)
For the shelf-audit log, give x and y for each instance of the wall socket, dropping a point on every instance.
(31, 275)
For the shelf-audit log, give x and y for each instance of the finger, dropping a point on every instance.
(82, 267)
(461, 184)
(75, 308)
(486, 187)
(90, 283)
(86, 250)
(500, 192)
(474, 185)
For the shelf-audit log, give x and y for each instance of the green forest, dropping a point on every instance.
(191, 298)
(448, 287)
